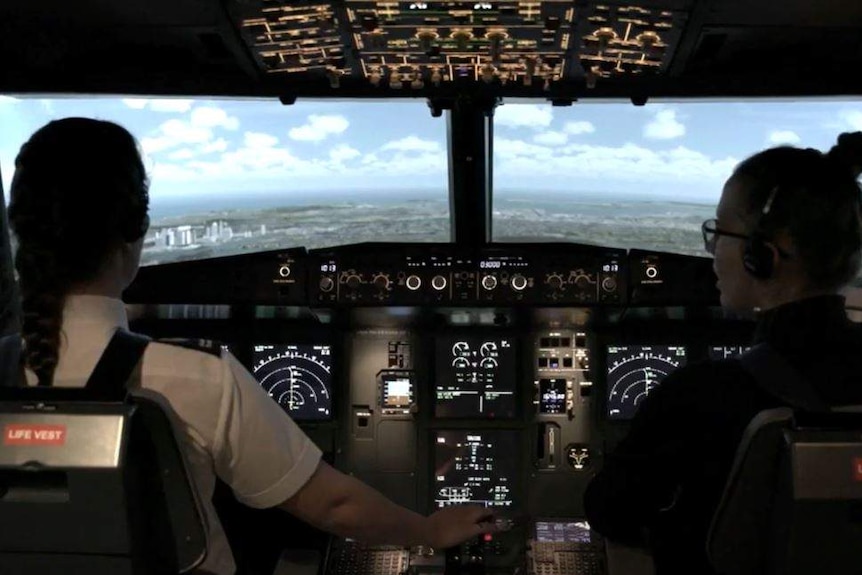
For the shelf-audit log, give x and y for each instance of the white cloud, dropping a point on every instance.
(342, 153)
(629, 162)
(412, 144)
(777, 137)
(136, 103)
(182, 154)
(219, 145)
(259, 140)
(175, 105)
(212, 117)
(851, 119)
(319, 128)
(664, 126)
(577, 128)
(551, 138)
(524, 115)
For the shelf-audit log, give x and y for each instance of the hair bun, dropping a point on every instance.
(848, 151)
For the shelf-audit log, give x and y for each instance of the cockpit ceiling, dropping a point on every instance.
(557, 49)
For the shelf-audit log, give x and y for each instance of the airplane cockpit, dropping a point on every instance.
(457, 242)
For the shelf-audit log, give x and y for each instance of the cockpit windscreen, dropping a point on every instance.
(634, 371)
(478, 467)
(297, 377)
(475, 377)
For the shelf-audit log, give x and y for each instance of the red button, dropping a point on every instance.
(488, 537)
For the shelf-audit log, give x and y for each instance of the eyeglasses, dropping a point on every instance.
(710, 231)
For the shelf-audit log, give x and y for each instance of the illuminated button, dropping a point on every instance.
(489, 282)
(519, 282)
(413, 282)
(438, 283)
(284, 271)
(326, 284)
(651, 272)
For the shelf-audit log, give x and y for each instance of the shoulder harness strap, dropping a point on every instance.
(119, 367)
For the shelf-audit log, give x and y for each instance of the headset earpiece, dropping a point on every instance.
(758, 256)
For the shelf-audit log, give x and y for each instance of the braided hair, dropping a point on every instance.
(79, 190)
(817, 203)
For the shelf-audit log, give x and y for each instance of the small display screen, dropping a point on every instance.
(297, 377)
(634, 371)
(397, 391)
(563, 532)
(719, 352)
(478, 467)
(552, 396)
(475, 377)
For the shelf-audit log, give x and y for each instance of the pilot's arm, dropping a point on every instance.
(269, 462)
(641, 476)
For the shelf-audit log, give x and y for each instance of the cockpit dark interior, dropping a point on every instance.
(476, 368)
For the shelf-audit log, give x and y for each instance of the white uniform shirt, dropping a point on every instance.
(229, 427)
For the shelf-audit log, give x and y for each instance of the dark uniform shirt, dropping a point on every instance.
(663, 482)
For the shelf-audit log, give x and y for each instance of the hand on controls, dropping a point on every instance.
(453, 525)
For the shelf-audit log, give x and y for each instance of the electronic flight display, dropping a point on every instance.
(396, 392)
(552, 396)
(478, 467)
(557, 531)
(298, 377)
(634, 370)
(475, 377)
(719, 352)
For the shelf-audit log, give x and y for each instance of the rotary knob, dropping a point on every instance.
(381, 281)
(555, 281)
(609, 284)
(353, 281)
(438, 283)
(326, 284)
(284, 270)
(413, 282)
(582, 280)
(519, 282)
(489, 282)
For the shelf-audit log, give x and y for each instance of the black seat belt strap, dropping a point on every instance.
(117, 365)
(777, 377)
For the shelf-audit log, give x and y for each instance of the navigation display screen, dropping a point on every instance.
(297, 377)
(475, 377)
(634, 371)
(478, 467)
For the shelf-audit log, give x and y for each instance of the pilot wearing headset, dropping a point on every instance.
(787, 239)
(78, 209)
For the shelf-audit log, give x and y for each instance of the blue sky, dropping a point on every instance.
(202, 149)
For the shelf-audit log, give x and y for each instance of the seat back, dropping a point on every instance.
(93, 486)
(793, 499)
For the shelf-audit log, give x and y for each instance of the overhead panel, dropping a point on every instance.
(415, 45)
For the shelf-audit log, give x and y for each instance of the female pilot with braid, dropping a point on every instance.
(79, 212)
(787, 239)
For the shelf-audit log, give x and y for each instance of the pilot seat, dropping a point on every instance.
(92, 481)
